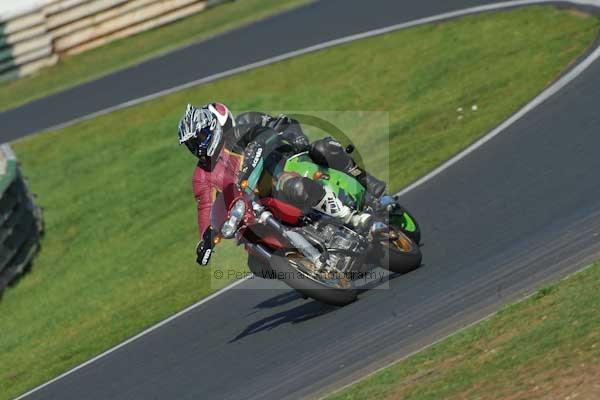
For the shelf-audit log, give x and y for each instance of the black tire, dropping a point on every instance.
(415, 235)
(308, 285)
(401, 256)
(260, 268)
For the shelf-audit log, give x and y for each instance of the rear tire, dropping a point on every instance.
(307, 284)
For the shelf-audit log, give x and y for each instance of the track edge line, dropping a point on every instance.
(546, 94)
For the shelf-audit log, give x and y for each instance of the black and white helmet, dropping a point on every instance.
(203, 129)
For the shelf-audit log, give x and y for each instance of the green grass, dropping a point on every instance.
(546, 347)
(116, 190)
(76, 69)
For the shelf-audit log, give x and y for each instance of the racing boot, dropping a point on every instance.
(374, 186)
(331, 205)
(330, 153)
(360, 221)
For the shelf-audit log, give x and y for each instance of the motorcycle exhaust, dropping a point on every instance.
(299, 242)
(259, 250)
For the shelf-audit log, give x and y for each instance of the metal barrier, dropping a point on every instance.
(20, 220)
(33, 35)
(25, 43)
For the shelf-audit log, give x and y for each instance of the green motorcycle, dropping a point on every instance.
(316, 254)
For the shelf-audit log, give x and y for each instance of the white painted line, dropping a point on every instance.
(317, 47)
(134, 338)
(558, 85)
(528, 294)
(545, 95)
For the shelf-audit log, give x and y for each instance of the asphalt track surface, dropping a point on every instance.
(521, 210)
(313, 24)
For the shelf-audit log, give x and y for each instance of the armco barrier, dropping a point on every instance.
(25, 43)
(91, 25)
(33, 33)
(20, 220)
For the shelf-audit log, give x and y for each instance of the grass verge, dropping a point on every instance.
(116, 192)
(76, 69)
(546, 347)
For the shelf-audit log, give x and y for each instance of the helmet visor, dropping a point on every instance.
(203, 136)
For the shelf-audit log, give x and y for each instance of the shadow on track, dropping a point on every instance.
(298, 314)
(279, 300)
(376, 283)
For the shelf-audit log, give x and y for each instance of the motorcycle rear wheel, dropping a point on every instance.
(260, 267)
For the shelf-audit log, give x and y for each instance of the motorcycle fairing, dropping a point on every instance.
(347, 188)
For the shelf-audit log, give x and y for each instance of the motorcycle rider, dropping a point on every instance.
(226, 148)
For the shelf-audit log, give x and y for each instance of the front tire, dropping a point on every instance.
(260, 267)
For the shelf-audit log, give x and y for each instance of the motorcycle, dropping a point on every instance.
(315, 254)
